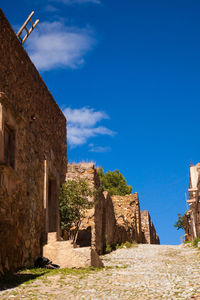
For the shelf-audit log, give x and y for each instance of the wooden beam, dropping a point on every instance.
(25, 23)
(29, 32)
(192, 200)
(193, 190)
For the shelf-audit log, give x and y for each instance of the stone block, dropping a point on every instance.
(63, 254)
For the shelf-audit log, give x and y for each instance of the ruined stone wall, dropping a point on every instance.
(28, 108)
(91, 229)
(192, 226)
(110, 225)
(114, 219)
(127, 215)
(192, 229)
(148, 230)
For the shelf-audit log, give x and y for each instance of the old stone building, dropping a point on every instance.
(192, 216)
(32, 155)
(113, 220)
(149, 235)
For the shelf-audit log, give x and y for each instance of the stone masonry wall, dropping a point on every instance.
(127, 215)
(91, 229)
(192, 226)
(28, 108)
(114, 219)
(148, 230)
(110, 224)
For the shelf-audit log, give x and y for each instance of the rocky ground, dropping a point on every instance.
(143, 272)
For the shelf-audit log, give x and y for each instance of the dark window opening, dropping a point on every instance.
(9, 146)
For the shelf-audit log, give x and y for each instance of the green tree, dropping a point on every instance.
(73, 203)
(114, 182)
(181, 222)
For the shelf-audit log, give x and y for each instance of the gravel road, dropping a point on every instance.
(143, 272)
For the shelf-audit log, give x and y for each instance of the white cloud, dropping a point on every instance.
(51, 8)
(54, 45)
(99, 149)
(84, 117)
(82, 125)
(70, 2)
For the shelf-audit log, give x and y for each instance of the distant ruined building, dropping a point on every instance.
(32, 156)
(192, 219)
(149, 233)
(128, 218)
(114, 219)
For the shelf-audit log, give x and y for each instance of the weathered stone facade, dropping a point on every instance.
(113, 220)
(32, 155)
(127, 215)
(91, 229)
(149, 235)
(192, 217)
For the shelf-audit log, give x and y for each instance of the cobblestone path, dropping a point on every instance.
(143, 272)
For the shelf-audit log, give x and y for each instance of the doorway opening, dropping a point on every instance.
(84, 237)
(52, 206)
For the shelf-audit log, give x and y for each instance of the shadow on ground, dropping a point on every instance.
(13, 280)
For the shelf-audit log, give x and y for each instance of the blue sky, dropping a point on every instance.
(126, 74)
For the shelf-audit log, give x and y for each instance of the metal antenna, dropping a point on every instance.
(33, 25)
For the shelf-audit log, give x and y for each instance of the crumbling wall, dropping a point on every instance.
(110, 224)
(114, 219)
(148, 230)
(192, 222)
(127, 215)
(28, 108)
(92, 225)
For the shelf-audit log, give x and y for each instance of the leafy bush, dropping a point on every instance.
(195, 242)
(126, 245)
(118, 246)
(114, 182)
(73, 203)
(181, 222)
(108, 248)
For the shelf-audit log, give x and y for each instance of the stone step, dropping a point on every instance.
(55, 248)
(63, 254)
